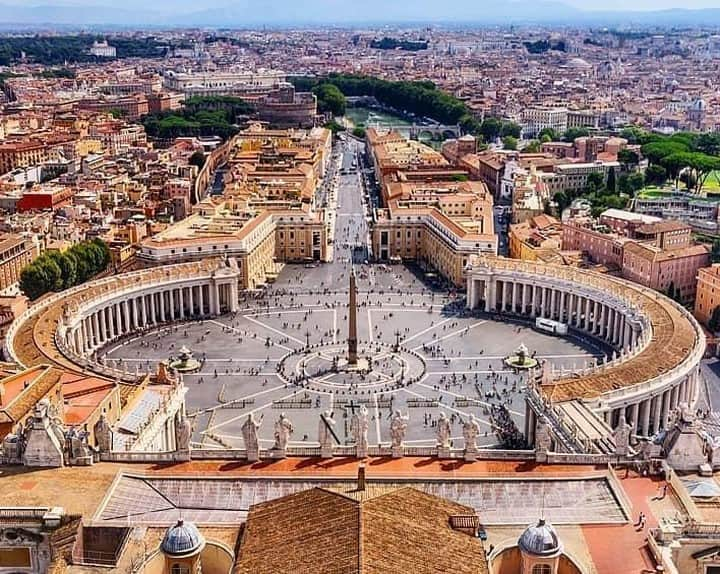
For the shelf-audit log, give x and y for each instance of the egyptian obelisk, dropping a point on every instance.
(352, 316)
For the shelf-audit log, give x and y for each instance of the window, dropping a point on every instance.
(537, 569)
(183, 569)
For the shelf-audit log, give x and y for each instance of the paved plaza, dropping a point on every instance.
(456, 357)
(423, 352)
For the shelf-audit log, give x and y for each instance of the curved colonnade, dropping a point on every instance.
(658, 343)
(66, 328)
(655, 368)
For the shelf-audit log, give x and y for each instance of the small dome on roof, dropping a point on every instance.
(578, 63)
(183, 539)
(540, 539)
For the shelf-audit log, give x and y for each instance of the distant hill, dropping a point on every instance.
(253, 13)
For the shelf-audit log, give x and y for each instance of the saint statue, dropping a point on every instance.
(283, 430)
(183, 432)
(471, 430)
(443, 431)
(398, 428)
(325, 437)
(250, 433)
(359, 429)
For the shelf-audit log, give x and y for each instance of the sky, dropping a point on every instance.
(641, 4)
(581, 4)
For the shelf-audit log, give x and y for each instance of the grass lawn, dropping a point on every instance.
(712, 183)
(653, 191)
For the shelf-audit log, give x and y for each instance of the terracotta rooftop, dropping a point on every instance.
(319, 531)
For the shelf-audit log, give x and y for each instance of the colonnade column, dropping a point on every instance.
(646, 417)
(633, 419)
(181, 299)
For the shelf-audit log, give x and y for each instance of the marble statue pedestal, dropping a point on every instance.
(444, 452)
(252, 455)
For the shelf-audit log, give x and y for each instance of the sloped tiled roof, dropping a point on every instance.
(319, 531)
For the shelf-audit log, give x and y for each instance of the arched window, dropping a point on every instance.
(183, 569)
(537, 569)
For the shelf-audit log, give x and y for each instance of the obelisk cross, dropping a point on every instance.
(352, 326)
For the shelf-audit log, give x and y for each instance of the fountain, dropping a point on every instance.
(185, 363)
(521, 359)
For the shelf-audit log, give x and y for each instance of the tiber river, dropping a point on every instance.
(369, 118)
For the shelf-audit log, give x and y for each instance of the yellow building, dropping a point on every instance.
(431, 213)
(538, 238)
(439, 224)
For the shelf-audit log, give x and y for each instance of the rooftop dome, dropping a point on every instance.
(698, 105)
(578, 63)
(182, 540)
(540, 540)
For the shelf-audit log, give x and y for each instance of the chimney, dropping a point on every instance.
(361, 477)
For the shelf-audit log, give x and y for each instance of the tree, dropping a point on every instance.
(55, 271)
(469, 124)
(491, 129)
(548, 133)
(198, 159)
(655, 175)
(708, 143)
(33, 281)
(628, 157)
(562, 200)
(687, 177)
(656, 151)
(611, 184)
(701, 164)
(634, 135)
(510, 129)
(533, 147)
(595, 181)
(571, 134)
(359, 132)
(330, 99)
(334, 127)
(715, 251)
(636, 181)
(509, 142)
(67, 263)
(623, 185)
(714, 321)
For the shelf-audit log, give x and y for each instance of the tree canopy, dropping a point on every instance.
(571, 134)
(684, 156)
(201, 116)
(330, 99)
(56, 270)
